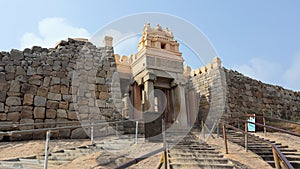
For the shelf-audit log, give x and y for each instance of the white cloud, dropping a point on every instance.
(125, 43)
(260, 69)
(52, 30)
(291, 76)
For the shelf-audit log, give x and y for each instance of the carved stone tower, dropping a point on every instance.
(157, 80)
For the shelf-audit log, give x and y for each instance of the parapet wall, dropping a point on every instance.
(70, 82)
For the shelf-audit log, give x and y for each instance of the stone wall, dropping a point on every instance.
(70, 82)
(246, 95)
(208, 85)
(220, 91)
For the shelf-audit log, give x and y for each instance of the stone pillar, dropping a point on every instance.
(181, 108)
(137, 98)
(125, 106)
(192, 102)
(149, 99)
(108, 41)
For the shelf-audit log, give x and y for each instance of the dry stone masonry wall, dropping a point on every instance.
(246, 95)
(209, 85)
(233, 94)
(41, 85)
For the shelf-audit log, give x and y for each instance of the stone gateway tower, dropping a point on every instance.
(156, 78)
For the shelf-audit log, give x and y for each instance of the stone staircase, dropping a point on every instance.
(191, 152)
(54, 159)
(109, 148)
(264, 150)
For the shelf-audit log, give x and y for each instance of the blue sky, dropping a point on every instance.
(258, 38)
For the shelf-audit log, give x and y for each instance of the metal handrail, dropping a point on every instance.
(84, 124)
(288, 121)
(274, 128)
(274, 147)
(51, 123)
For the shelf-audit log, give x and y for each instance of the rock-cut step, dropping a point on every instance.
(191, 153)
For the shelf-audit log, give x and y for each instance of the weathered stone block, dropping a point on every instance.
(78, 134)
(14, 86)
(64, 90)
(31, 71)
(49, 121)
(67, 98)
(28, 99)
(107, 112)
(102, 88)
(38, 126)
(35, 82)
(52, 104)
(3, 116)
(55, 80)
(61, 113)
(94, 110)
(73, 106)
(1, 107)
(39, 101)
(65, 81)
(2, 96)
(64, 133)
(46, 81)
(55, 89)
(13, 116)
(14, 108)
(39, 135)
(16, 54)
(54, 96)
(27, 127)
(39, 112)
(9, 69)
(101, 103)
(56, 65)
(83, 109)
(10, 76)
(26, 112)
(13, 101)
(51, 114)
(26, 88)
(63, 105)
(42, 91)
(2, 77)
(72, 115)
(103, 95)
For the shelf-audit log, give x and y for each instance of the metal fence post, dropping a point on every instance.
(265, 129)
(136, 131)
(246, 137)
(225, 139)
(218, 129)
(163, 127)
(276, 160)
(47, 149)
(92, 133)
(117, 129)
(203, 129)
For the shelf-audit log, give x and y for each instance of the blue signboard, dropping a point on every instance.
(251, 118)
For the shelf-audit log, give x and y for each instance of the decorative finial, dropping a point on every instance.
(158, 27)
